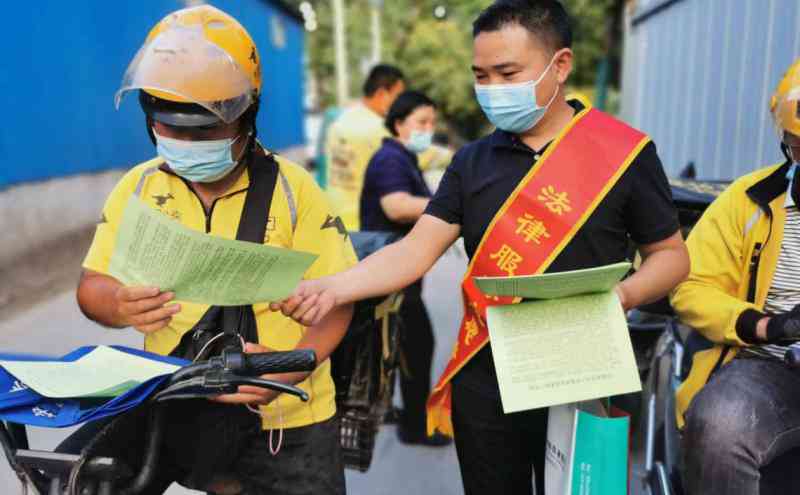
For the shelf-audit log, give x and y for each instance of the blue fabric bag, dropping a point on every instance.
(19, 404)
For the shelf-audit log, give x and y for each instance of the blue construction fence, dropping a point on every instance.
(64, 60)
(698, 76)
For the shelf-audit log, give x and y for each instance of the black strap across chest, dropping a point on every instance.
(253, 223)
(233, 320)
(263, 172)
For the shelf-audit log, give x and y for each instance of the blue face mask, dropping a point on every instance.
(513, 107)
(420, 141)
(793, 168)
(197, 161)
(793, 196)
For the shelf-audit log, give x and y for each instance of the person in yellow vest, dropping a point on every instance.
(558, 186)
(355, 136)
(743, 294)
(198, 76)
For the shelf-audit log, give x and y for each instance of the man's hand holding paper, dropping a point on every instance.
(145, 308)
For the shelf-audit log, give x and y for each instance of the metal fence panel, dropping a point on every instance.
(66, 59)
(698, 76)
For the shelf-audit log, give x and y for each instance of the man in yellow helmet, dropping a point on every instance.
(198, 77)
(743, 294)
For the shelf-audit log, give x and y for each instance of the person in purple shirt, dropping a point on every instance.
(394, 196)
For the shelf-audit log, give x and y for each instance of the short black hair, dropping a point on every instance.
(547, 20)
(404, 105)
(382, 76)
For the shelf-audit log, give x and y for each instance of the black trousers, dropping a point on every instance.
(416, 345)
(497, 452)
(309, 460)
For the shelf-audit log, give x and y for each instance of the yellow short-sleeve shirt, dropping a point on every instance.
(300, 218)
(352, 140)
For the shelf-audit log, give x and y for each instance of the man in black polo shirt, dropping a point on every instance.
(522, 59)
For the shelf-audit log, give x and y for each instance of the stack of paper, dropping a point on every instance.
(555, 285)
(154, 250)
(103, 372)
(568, 342)
(86, 384)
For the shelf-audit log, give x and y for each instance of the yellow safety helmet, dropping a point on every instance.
(198, 66)
(785, 104)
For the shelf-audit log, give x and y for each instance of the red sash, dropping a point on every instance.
(538, 220)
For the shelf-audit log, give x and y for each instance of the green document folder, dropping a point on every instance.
(555, 285)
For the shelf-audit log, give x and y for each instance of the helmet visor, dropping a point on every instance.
(181, 65)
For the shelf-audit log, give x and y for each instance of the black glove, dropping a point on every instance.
(785, 326)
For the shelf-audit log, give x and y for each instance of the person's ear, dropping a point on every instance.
(149, 122)
(388, 100)
(398, 127)
(562, 65)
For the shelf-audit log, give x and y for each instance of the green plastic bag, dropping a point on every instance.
(587, 452)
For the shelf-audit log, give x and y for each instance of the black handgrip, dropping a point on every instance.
(792, 358)
(279, 362)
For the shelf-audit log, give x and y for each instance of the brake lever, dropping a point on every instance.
(273, 385)
(221, 379)
(211, 365)
(197, 369)
(219, 382)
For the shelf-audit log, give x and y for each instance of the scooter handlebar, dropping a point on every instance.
(279, 362)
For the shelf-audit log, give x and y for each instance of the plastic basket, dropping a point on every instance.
(359, 428)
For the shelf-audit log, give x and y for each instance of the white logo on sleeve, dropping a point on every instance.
(42, 413)
(18, 386)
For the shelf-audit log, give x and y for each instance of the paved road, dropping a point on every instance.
(56, 326)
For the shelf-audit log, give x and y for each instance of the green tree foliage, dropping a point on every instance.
(436, 53)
